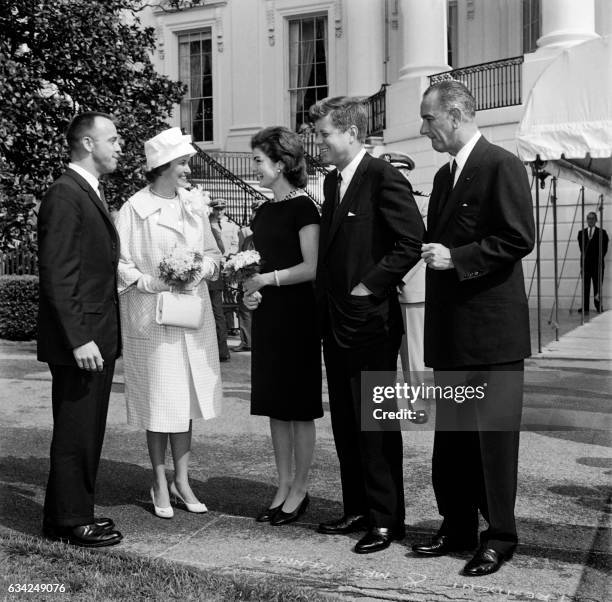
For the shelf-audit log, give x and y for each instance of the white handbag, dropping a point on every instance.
(176, 309)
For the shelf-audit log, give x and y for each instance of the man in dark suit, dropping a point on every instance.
(593, 243)
(371, 234)
(479, 226)
(78, 328)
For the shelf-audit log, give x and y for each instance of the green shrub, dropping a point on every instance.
(18, 307)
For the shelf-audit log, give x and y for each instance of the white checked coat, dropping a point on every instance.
(172, 374)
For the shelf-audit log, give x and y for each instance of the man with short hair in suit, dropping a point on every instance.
(78, 328)
(479, 227)
(371, 234)
(593, 243)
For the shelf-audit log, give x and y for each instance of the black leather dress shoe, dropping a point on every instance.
(485, 562)
(376, 539)
(284, 518)
(347, 524)
(85, 536)
(440, 545)
(105, 523)
(265, 516)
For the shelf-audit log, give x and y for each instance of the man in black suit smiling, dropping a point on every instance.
(78, 327)
(479, 226)
(371, 233)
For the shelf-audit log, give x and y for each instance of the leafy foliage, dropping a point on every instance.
(18, 307)
(58, 58)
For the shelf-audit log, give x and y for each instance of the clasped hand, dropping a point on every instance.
(437, 256)
(252, 301)
(254, 283)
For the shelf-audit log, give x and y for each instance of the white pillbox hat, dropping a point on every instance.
(167, 146)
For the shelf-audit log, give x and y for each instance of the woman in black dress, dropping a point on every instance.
(286, 348)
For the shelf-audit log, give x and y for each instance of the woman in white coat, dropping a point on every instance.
(172, 374)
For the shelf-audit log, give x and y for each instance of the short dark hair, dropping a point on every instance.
(452, 94)
(592, 213)
(344, 112)
(81, 125)
(281, 144)
(154, 173)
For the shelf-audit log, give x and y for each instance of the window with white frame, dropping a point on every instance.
(195, 70)
(532, 25)
(308, 54)
(452, 32)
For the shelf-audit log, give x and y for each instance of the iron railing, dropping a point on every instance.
(377, 112)
(494, 84)
(240, 164)
(18, 262)
(223, 183)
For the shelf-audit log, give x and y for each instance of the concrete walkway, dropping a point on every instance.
(563, 505)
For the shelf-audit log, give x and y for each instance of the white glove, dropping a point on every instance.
(151, 284)
(252, 302)
(209, 267)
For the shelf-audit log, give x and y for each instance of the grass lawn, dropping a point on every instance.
(105, 574)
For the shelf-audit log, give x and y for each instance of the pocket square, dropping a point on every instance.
(350, 214)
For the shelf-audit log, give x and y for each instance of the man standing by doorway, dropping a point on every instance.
(593, 243)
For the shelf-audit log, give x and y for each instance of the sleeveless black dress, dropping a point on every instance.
(285, 345)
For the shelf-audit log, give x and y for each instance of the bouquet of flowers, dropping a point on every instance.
(242, 266)
(181, 267)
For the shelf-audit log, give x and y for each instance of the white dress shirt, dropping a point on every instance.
(462, 156)
(349, 171)
(89, 177)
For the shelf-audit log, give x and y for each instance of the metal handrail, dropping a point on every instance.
(376, 106)
(223, 183)
(494, 84)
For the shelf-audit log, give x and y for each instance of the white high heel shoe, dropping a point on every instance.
(198, 507)
(167, 512)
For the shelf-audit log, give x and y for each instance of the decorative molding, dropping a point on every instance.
(471, 10)
(159, 39)
(395, 15)
(271, 21)
(338, 18)
(219, 28)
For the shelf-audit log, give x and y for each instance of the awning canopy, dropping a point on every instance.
(568, 116)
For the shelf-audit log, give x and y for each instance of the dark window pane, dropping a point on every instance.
(207, 86)
(208, 130)
(198, 131)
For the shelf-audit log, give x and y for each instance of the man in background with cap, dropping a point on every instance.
(224, 226)
(78, 328)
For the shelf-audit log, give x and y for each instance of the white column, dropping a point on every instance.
(364, 41)
(566, 23)
(423, 27)
(603, 17)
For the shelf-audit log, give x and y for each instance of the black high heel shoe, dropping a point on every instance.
(284, 518)
(265, 516)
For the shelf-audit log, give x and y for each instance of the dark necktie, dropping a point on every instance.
(338, 186)
(103, 197)
(449, 190)
(453, 172)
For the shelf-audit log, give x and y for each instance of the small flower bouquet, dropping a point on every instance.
(242, 266)
(181, 267)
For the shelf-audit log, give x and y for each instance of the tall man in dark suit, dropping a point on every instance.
(371, 234)
(593, 243)
(479, 226)
(78, 328)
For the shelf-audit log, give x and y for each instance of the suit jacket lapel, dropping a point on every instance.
(468, 173)
(341, 211)
(95, 199)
